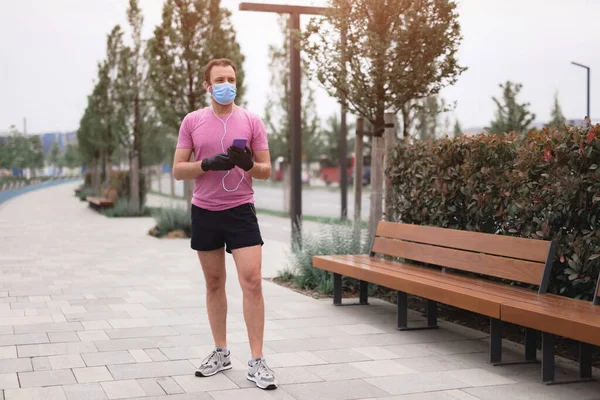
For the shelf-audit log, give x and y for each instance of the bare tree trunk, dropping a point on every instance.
(172, 184)
(390, 139)
(376, 183)
(134, 182)
(96, 176)
(287, 186)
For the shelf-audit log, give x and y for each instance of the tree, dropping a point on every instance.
(457, 129)
(192, 32)
(277, 113)
(396, 51)
(510, 116)
(54, 155)
(330, 139)
(428, 115)
(71, 157)
(558, 119)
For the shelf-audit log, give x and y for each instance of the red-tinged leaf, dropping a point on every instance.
(540, 233)
(594, 257)
(562, 259)
(547, 155)
(513, 230)
(573, 277)
(582, 150)
(591, 136)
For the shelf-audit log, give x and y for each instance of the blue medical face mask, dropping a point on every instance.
(224, 93)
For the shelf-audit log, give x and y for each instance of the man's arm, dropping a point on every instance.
(183, 168)
(262, 165)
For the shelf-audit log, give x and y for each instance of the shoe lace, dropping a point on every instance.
(209, 358)
(264, 369)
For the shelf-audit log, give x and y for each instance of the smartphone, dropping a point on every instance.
(240, 143)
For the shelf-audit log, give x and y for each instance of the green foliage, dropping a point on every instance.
(125, 208)
(71, 158)
(330, 137)
(120, 181)
(191, 33)
(510, 116)
(20, 151)
(277, 114)
(54, 155)
(330, 240)
(172, 219)
(558, 118)
(457, 129)
(541, 185)
(85, 192)
(394, 52)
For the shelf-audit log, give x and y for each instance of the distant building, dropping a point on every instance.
(63, 138)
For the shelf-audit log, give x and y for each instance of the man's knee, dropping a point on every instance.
(252, 284)
(215, 282)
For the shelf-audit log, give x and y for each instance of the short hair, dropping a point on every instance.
(221, 62)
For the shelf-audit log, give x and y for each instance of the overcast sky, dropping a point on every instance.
(50, 50)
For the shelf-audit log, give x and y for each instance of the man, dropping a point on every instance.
(223, 213)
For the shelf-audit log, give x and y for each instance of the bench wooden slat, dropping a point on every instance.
(511, 293)
(472, 300)
(507, 246)
(553, 320)
(491, 265)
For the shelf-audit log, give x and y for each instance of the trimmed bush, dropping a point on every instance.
(172, 219)
(124, 208)
(119, 180)
(541, 185)
(332, 239)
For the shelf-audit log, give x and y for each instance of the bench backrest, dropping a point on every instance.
(517, 259)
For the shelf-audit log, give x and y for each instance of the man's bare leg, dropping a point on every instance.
(213, 266)
(248, 261)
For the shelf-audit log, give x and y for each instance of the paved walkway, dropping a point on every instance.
(94, 308)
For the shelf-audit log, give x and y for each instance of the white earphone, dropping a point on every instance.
(223, 148)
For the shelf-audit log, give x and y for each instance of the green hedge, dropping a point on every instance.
(542, 185)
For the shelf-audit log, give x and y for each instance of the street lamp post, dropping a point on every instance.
(588, 86)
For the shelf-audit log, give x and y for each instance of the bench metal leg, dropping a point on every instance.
(364, 293)
(337, 292)
(337, 289)
(495, 341)
(530, 350)
(585, 362)
(402, 300)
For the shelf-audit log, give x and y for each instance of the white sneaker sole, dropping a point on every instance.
(200, 374)
(268, 387)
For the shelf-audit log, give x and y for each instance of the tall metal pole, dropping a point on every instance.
(343, 147)
(588, 86)
(296, 129)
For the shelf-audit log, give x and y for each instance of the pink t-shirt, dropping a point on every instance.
(202, 131)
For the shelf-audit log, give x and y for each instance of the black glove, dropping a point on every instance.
(219, 162)
(241, 158)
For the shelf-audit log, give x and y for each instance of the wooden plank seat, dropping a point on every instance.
(446, 253)
(108, 198)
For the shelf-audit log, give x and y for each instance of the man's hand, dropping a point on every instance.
(241, 158)
(219, 162)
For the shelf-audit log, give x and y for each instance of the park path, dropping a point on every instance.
(94, 308)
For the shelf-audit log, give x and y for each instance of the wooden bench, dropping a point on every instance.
(107, 199)
(438, 264)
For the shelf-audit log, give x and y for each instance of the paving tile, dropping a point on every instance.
(338, 372)
(26, 338)
(251, 394)
(122, 389)
(156, 355)
(63, 337)
(107, 358)
(90, 336)
(526, 391)
(48, 393)
(41, 363)
(7, 352)
(415, 383)
(92, 374)
(86, 391)
(341, 356)
(46, 378)
(15, 365)
(9, 381)
(66, 362)
(129, 344)
(336, 390)
(382, 368)
(193, 384)
(95, 325)
(479, 377)
(141, 332)
(169, 385)
(151, 370)
(359, 329)
(179, 353)
(25, 320)
(140, 356)
(55, 349)
(151, 387)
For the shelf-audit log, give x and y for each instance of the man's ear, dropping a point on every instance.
(207, 86)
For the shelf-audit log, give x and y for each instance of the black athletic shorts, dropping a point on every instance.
(235, 228)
